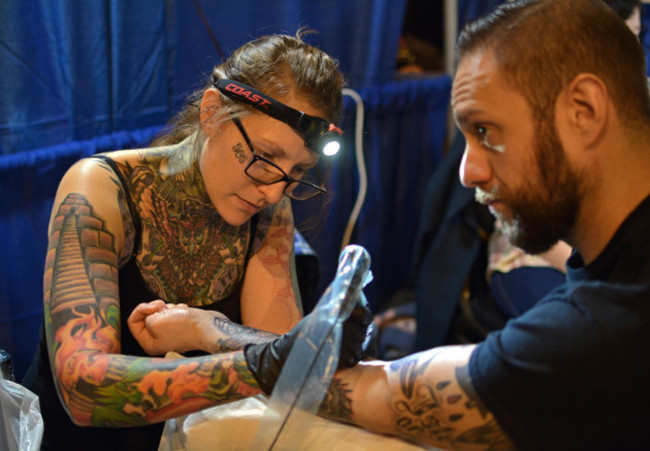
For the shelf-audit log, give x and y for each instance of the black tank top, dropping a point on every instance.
(59, 431)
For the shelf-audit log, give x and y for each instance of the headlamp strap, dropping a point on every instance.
(308, 126)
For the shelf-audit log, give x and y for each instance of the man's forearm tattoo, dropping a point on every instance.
(434, 409)
(337, 404)
(419, 412)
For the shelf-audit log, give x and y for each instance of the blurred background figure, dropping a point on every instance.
(631, 12)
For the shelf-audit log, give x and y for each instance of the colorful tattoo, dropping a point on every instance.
(138, 391)
(189, 254)
(81, 301)
(276, 255)
(99, 386)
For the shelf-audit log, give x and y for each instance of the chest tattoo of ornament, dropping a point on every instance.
(189, 253)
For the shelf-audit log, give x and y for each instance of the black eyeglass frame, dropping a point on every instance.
(316, 131)
(320, 190)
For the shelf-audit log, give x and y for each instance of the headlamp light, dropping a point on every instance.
(320, 136)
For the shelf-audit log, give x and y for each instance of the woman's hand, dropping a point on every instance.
(160, 327)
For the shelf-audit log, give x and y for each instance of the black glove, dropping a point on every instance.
(265, 360)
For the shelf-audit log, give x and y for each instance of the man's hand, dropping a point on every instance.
(266, 360)
(160, 327)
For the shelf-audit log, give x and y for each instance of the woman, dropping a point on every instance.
(201, 219)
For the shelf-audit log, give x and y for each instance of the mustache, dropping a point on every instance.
(484, 197)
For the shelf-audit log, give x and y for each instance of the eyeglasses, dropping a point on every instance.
(264, 171)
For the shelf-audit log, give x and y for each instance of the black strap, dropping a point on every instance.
(127, 194)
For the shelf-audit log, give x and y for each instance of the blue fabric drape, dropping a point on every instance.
(74, 70)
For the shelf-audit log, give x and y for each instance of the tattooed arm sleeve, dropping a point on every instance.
(268, 301)
(426, 398)
(96, 384)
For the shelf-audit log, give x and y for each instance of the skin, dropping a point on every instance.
(185, 249)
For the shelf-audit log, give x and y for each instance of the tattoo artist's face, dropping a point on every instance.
(226, 156)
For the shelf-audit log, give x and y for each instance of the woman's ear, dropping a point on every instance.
(210, 104)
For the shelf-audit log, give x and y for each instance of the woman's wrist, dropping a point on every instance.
(207, 330)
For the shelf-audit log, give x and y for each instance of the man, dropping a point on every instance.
(551, 97)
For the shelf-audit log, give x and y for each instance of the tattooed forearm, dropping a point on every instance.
(420, 411)
(234, 336)
(150, 390)
(436, 403)
(337, 404)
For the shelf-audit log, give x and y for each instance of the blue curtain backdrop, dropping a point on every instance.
(73, 70)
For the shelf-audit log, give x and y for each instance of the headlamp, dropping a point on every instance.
(320, 136)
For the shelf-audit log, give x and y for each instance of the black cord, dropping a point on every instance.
(206, 23)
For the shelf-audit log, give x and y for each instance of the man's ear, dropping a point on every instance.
(210, 104)
(586, 106)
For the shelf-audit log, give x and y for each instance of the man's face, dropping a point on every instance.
(516, 163)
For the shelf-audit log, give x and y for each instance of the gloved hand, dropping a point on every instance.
(266, 360)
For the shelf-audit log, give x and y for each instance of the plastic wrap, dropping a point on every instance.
(20, 418)
(310, 366)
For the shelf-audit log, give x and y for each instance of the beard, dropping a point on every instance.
(546, 205)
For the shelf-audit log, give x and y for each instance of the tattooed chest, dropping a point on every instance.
(190, 262)
(188, 253)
